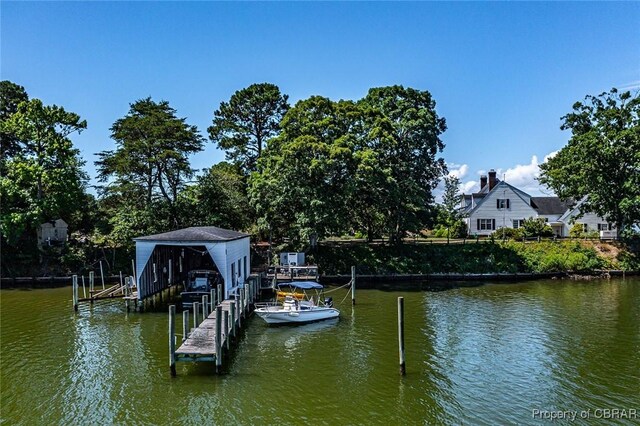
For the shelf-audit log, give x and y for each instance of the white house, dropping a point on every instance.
(501, 205)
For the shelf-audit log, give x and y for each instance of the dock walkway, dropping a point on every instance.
(209, 339)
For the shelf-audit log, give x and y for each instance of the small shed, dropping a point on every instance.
(53, 232)
(166, 259)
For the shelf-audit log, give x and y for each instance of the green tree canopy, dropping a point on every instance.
(11, 95)
(602, 159)
(243, 125)
(218, 198)
(407, 130)
(43, 178)
(150, 164)
(451, 203)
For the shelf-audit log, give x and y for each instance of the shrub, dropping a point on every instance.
(536, 227)
(508, 234)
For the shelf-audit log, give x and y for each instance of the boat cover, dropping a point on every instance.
(304, 285)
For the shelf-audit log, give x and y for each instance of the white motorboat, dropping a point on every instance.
(295, 311)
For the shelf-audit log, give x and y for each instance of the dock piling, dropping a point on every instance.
(205, 307)
(219, 295)
(212, 298)
(185, 324)
(84, 289)
(75, 292)
(403, 370)
(238, 304)
(133, 267)
(226, 330)
(353, 285)
(101, 275)
(232, 312)
(196, 306)
(218, 337)
(247, 295)
(172, 339)
(241, 291)
(91, 283)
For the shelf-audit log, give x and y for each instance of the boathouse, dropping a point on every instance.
(163, 260)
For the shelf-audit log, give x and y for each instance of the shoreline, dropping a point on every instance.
(378, 281)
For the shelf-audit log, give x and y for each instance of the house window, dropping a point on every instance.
(604, 227)
(486, 224)
(502, 203)
(517, 223)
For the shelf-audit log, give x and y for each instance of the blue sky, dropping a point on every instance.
(502, 74)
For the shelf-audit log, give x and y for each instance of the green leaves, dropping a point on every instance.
(151, 160)
(602, 158)
(243, 125)
(345, 166)
(42, 176)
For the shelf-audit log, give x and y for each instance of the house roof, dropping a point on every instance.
(550, 205)
(517, 191)
(196, 233)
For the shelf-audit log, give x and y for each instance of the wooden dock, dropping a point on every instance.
(212, 337)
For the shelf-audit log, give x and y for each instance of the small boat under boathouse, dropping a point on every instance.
(164, 260)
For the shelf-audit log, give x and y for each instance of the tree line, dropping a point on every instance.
(298, 173)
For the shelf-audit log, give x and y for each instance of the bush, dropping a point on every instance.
(508, 234)
(536, 227)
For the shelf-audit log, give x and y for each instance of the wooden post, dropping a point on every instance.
(126, 291)
(196, 306)
(91, 282)
(84, 289)
(170, 272)
(239, 311)
(241, 291)
(212, 297)
(247, 297)
(218, 337)
(226, 329)
(219, 295)
(133, 268)
(172, 339)
(205, 307)
(353, 285)
(403, 369)
(121, 282)
(101, 275)
(74, 284)
(232, 312)
(185, 324)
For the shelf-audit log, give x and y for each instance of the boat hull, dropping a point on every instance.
(272, 315)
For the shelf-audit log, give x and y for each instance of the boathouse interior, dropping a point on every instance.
(163, 260)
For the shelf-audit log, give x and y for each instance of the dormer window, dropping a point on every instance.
(502, 203)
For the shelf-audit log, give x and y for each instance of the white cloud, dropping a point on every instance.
(458, 170)
(522, 176)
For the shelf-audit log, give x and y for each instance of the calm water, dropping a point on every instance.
(484, 355)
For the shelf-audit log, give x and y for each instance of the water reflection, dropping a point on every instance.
(481, 355)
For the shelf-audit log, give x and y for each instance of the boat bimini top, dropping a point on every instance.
(303, 285)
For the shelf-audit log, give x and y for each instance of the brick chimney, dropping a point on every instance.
(483, 181)
(492, 179)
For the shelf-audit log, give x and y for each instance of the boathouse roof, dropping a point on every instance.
(196, 233)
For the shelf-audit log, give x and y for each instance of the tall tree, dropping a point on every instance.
(44, 179)
(300, 191)
(243, 125)
(451, 202)
(408, 130)
(602, 159)
(151, 161)
(217, 198)
(11, 95)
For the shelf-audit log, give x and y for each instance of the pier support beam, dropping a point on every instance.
(101, 275)
(172, 339)
(205, 307)
(232, 312)
(353, 285)
(219, 295)
(225, 323)
(212, 298)
(218, 338)
(185, 324)
(74, 284)
(196, 306)
(403, 370)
